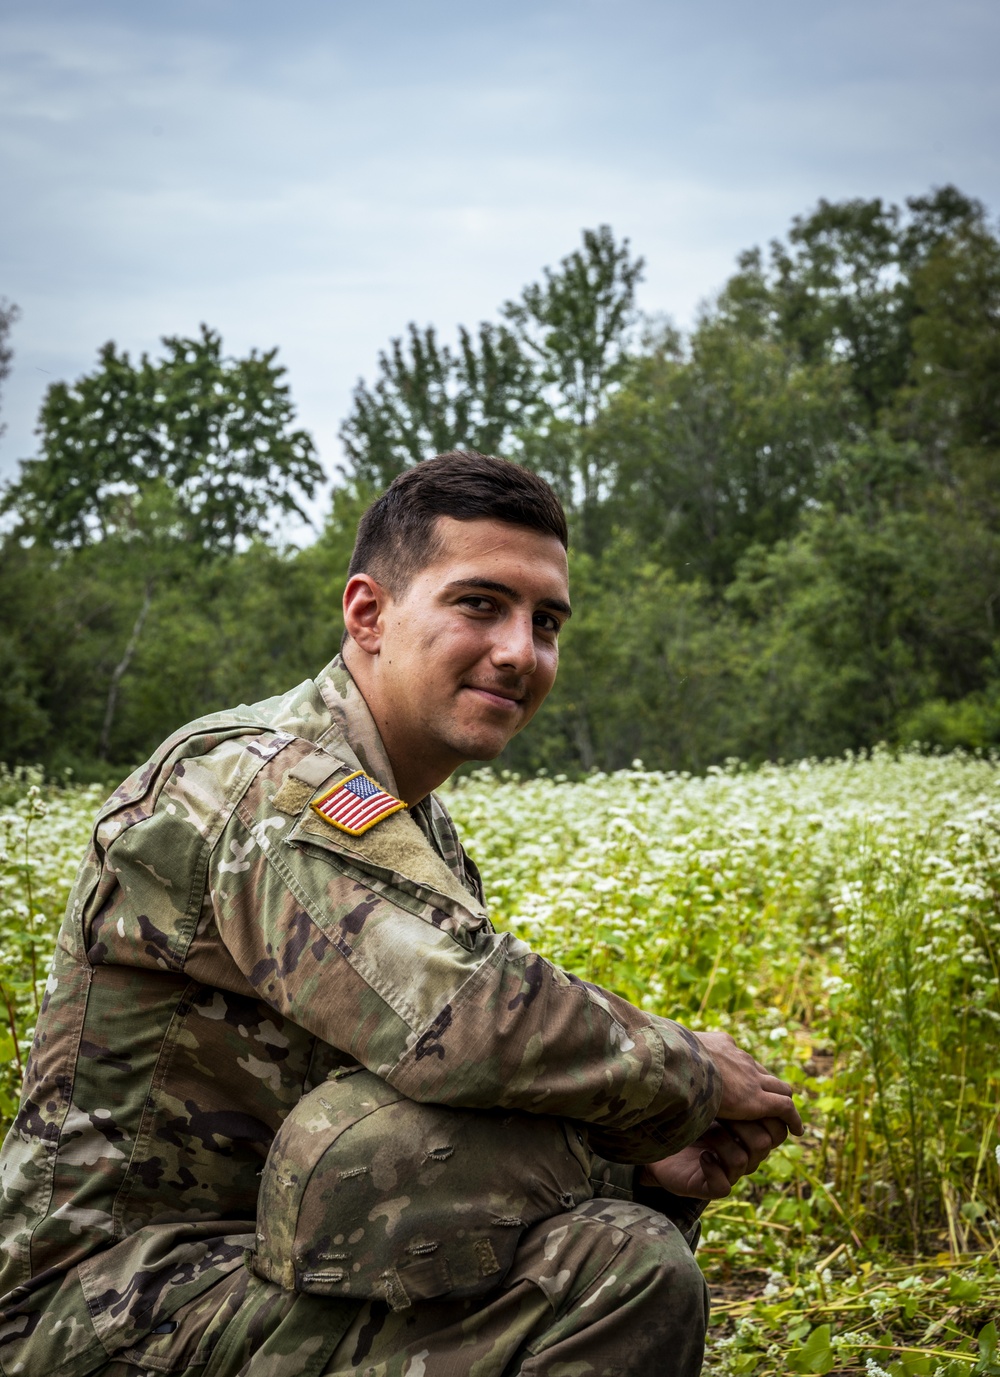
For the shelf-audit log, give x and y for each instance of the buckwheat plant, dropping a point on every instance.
(840, 918)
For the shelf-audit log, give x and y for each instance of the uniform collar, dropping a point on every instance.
(354, 722)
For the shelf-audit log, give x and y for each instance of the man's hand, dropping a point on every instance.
(708, 1168)
(749, 1091)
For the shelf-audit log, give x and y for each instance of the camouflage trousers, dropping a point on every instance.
(611, 1288)
(396, 1240)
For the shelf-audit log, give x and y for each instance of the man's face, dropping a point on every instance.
(469, 650)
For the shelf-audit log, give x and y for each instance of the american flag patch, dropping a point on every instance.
(355, 804)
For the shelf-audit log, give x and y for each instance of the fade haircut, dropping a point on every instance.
(397, 538)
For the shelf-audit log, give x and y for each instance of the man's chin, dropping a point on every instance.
(482, 746)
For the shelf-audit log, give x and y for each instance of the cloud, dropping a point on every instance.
(315, 177)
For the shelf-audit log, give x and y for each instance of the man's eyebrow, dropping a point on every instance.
(492, 586)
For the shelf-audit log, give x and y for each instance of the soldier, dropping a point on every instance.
(293, 1105)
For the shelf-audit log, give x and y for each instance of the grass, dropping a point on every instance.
(841, 919)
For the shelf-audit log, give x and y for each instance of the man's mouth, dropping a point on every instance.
(505, 699)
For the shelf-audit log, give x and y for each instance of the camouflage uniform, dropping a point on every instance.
(227, 962)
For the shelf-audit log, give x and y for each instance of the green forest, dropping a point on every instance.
(785, 554)
(785, 522)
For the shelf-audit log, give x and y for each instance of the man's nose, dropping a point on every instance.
(514, 646)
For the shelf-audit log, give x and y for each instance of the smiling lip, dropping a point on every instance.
(496, 697)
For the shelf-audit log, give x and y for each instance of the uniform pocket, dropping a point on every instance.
(369, 1195)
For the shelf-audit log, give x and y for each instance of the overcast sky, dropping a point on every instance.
(315, 175)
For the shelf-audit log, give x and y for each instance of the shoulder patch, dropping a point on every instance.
(355, 804)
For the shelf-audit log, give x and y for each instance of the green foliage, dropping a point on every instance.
(531, 386)
(952, 395)
(841, 288)
(150, 480)
(575, 324)
(785, 527)
(973, 721)
(721, 448)
(193, 446)
(8, 315)
(576, 329)
(841, 919)
(429, 399)
(221, 631)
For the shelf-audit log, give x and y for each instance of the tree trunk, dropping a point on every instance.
(119, 672)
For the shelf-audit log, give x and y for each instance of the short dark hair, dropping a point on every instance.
(396, 536)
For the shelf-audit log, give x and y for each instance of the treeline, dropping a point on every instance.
(786, 525)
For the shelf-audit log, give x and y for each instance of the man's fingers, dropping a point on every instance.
(734, 1156)
(755, 1139)
(717, 1183)
(766, 1105)
(777, 1129)
(749, 1090)
(783, 1108)
(774, 1086)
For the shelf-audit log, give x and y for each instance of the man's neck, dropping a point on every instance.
(415, 778)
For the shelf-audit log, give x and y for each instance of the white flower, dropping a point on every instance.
(872, 1369)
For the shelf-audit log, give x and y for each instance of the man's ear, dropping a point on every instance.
(365, 603)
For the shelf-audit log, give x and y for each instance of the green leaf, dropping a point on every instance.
(989, 1352)
(962, 1289)
(815, 1355)
(974, 1210)
(917, 1367)
(744, 1362)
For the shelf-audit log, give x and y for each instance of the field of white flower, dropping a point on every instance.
(842, 919)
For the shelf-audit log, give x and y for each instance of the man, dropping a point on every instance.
(293, 1106)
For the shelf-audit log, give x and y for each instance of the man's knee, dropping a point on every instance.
(366, 1194)
(625, 1294)
(666, 1267)
(612, 1253)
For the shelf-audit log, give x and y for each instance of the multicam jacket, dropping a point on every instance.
(223, 951)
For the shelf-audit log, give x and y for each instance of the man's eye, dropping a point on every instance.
(546, 622)
(478, 604)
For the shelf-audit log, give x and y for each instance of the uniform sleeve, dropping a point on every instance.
(447, 1014)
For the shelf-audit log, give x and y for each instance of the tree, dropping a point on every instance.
(841, 287)
(530, 387)
(786, 526)
(576, 326)
(429, 399)
(951, 401)
(215, 433)
(576, 323)
(8, 315)
(721, 446)
(161, 465)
